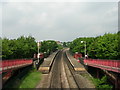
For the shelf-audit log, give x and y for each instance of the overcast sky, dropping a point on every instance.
(63, 21)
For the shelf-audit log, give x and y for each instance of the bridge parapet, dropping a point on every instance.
(12, 64)
(110, 65)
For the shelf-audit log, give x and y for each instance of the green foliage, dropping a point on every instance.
(77, 46)
(66, 44)
(60, 46)
(31, 80)
(6, 50)
(103, 47)
(118, 43)
(0, 47)
(28, 78)
(23, 47)
(48, 46)
(102, 83)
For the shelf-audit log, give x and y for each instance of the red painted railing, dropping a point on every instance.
(10, 64)
(77, 56)
(111, 65)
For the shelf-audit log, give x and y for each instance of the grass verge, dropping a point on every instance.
(28, 78)
(31, 80)
(99, 83)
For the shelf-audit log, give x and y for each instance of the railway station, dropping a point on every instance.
(62, 70)
(60, 44)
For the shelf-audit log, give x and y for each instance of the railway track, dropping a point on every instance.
(62, 75)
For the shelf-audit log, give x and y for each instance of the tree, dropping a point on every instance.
(77, 46)
(103, 47)
(23, 47)
(48, 46)
(6, 51)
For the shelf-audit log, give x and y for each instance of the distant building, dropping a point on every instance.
(59, 43)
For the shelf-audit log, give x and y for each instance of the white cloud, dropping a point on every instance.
(60, 21)
(0, 19)
(60, 0)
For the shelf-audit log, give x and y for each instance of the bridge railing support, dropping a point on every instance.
(117, 82)
(97, 73)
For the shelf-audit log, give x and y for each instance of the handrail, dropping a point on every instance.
(111, 65)
(6, 64)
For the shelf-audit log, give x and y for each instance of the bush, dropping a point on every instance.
(102, 83)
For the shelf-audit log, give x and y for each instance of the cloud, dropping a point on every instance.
(59, 21)
(60, 0)
(0, 19)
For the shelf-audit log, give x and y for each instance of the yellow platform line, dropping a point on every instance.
(79, 69)
(44, 68)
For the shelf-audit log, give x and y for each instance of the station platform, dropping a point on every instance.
(75, 64)
(46, 65)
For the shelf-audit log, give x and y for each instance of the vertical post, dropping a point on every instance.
(85, 49)
(38, 44)
(97, 73)
(34, 64)
(38, 53)
(116, 82)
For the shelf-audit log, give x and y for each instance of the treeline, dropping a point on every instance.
(22, 47)
(102, 47)
(25, 47)
(48, 46)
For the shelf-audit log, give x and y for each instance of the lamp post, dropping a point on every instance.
(38, 45)
(85, 47)
(49, 50)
